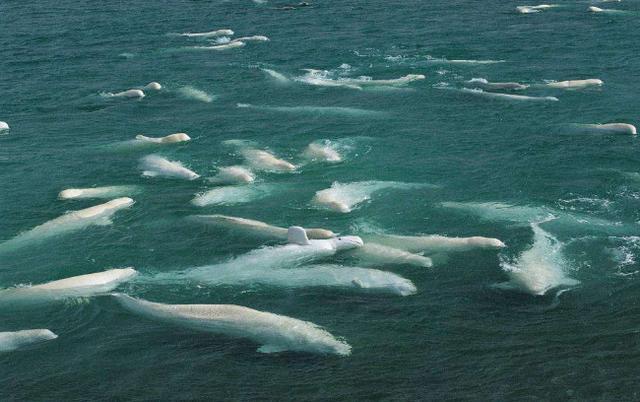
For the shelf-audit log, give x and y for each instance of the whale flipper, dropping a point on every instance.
(297, 235)
(271, 349)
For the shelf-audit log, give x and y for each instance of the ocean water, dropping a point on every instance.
(554, 315)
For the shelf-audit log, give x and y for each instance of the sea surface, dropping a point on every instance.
(555, 315)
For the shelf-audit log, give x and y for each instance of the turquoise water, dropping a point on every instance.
(460, 336)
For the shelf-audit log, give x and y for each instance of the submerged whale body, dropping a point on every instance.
(259, 228)
(373, 253)
(343, 197)
(484, 84)
(231, 195)
(70, 222)
(540, 268)
(230, 45)
(436, 243)
(275, 333)
(219, 32)
(97, 192)
(76, 286)
(233, 175)
(168, 139)
(157, 166)
(497, 95)
(130, 93)
(10, 341)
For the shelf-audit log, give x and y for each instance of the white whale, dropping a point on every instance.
(233, 175)
(130, 93)
(435, 243)
(70, 222)
(231, 195)
(534, 9)
(153, 86)
(323, 78)
(219, 32)
(3, 126)
(576, 84)
(497, 95)
(168, 139)
(279, 77)
(275, 333)
(344, 197)
(189, 92)
(97, 192)
(540, 268)
(263, 160)
(10, 341)
(372, 253)
(617, 128)
(230, 45)
(321, 152)
(254, 38)
(258, 228)
(484, 84)
(76, 286)
(155, 166)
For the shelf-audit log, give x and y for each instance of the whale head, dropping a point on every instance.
(178, 137)
(120, 203)
(347, 242)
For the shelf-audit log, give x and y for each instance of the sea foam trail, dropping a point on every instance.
(232, 195)
(563, 222)
(372, 253)
(318, 110)
(233, 175)
(540, 268)
(257, 228)
(77, 286)
(189, 92)
(10, 341)
(482, 83)
(68, 223)
(432, 244)
(157, 166)
(496, 95)
(275, 333)
(344, 197)
(98, 192)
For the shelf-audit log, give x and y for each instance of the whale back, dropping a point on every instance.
(297, 235)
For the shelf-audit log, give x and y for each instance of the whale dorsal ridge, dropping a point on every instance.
(297, 235)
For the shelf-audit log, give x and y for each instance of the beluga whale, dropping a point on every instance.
(258, 228)
(167, 139)
(233, 175)
(157, 166)
(275, 333)
(219, 32)
(76, 286)
(3, 126)
(130, 93)
(575, 84)
(10, 341)
(613, 128)
(97, 192)
(68, 223)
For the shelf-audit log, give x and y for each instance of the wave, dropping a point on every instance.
(189, 92)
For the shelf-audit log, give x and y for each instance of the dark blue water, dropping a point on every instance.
(459, 336)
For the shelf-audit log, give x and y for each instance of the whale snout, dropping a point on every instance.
(122, 202)
(348, 242)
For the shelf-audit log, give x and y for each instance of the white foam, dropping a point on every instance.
(344, 197)
(276, 333)
(77, 286)
(189, 92)
(540, 268)
(232, 195)
(535, 9)
(325, 78)
(3, 126)
(98, 192)
(10, 341)
(70, 222)
(157, 166)
(322, 151)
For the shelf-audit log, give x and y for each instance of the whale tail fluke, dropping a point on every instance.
(297, 235)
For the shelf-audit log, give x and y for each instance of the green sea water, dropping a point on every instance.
(493, 167)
